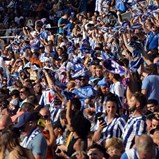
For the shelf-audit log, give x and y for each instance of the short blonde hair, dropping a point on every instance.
(116, 143)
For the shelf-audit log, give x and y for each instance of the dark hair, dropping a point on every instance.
(27, 90)
(152, 101)
(81, 126)
(100, 148)
(9, 139)
(26, 106)
(150, 116)
(111, 97)
(151, 69)
(117, 77)
(76, 102)
(63, 114)
(141, 98)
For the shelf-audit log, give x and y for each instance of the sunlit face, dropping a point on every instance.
(83, 82)
(148, 125)
(155, 123)
(112, 151)
(148, 26)
(70, 85)
(98, 72)
(104, 89)
(45, 114)
(110, 76)
(93, 69)
(151, 107)
(94, 154)
(111, 108)
(132, 103)
(23, 94)
(156, 137)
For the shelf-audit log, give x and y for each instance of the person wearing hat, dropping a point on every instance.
(103, 92)
(13, 106)
(84, 91)
(34, 140)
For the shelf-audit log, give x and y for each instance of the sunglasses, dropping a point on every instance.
(44, 116)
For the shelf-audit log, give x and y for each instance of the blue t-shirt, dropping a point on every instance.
(62, 21)
(151, 85)
(152, 41)
(132, 153)
(38, 145)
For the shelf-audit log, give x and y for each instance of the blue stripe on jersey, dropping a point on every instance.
(55, 112)
(114, 129)
(135, 126)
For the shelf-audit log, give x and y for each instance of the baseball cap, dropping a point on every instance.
(23, 119)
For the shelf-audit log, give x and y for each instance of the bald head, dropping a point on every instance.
(45, 112)
(5, 121)
(156, 137)
(144, 143)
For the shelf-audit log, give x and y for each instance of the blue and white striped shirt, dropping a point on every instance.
(50, 99)
(135, 126)
(100, 105)
(113, 129)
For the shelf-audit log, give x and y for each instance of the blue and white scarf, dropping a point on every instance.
(28, 139)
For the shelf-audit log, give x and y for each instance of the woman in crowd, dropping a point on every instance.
(80, 127)
(109, 125)
(10, 147)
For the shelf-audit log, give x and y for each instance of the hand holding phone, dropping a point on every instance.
(57, 150)
(101, 119)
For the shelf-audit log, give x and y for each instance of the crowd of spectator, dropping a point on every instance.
(79, 79)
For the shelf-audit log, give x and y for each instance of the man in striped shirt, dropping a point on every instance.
(136, 124)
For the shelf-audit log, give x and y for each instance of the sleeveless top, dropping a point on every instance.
(70, 149)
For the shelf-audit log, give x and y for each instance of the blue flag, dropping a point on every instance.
(113, 67)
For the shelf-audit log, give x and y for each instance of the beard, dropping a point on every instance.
(132, 108)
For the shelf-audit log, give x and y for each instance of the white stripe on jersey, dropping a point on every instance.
(113, 129)
(135, 126)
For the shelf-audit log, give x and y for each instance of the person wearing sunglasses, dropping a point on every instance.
(33, 138)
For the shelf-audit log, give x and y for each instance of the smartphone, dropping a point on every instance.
(101, 119)
(58, 151)
(41, 122)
